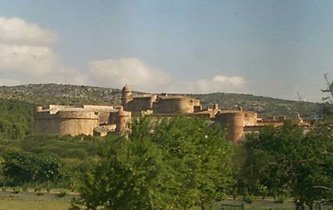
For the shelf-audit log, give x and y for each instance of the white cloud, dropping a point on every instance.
(234, 81)
(26, 60)
(26, 55)
(17, 31)
(116, 73)
(218, 83)
(132, 71)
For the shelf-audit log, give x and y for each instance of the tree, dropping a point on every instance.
(163, 164)
(328, 90)
(328, 98)
(24, 167)
(297, 164)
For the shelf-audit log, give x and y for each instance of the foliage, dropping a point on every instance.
(288, 162)
(248, 198)
(329, 90)
(22, 167)
(15, 119)
(328, 98)
(77, 147)
(62, 193)
(78, 151)
(172, 164)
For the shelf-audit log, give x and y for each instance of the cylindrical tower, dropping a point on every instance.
(234, 123)
(126, 95)
(122, 120)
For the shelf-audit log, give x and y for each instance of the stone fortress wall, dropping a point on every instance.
(68, 120)
(102, 120)
(159, 104)
(164, 105)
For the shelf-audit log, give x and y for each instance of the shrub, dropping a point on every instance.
(248, 198)
(279, 199)
(25, 188)
(62, 193)
(16, 190)
(39, 193)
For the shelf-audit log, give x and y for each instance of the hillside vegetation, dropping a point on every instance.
(71, 94)
(15, 119)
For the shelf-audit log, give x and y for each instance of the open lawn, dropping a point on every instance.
(32, 201)
(267, 204)
(51, 201)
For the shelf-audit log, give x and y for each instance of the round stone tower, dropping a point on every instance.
(122, 120)
(126, 95)
(234, 123)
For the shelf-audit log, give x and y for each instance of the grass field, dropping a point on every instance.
(51, 201)
(32, 201)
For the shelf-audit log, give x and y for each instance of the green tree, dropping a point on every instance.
(170, 164)
(16, 119)
(328, 90)
(328, 97)
(291, 162)
(314, 180)
(23, 167)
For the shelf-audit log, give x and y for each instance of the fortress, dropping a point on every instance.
(103, 120)
(85, 120)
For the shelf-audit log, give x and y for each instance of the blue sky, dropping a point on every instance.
(276, 48)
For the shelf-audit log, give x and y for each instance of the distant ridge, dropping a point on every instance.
(76, 95)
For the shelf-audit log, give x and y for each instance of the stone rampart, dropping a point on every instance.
(67, 120)
(139, 104)
(175, 105)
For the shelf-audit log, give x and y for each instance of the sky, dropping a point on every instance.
(275, 48)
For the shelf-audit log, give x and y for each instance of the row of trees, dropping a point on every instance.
(184, 163)
(23, 167)
(177, 164)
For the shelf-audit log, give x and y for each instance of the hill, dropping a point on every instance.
(15, 119)
(75, 95)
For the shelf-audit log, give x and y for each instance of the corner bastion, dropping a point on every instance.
(67, 120)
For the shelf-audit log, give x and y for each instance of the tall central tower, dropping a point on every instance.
(126, 95)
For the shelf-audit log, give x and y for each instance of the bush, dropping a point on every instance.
(279, 199)
(25, 188)
(39, 193)
(16, 190)
(248, 198)
(62, 193)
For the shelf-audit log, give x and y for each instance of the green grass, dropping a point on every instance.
(32, 201)
(51, 201)
(33, 205)
(260, 204)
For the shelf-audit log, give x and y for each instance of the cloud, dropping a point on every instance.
(17, 31)
(116, 73)
(26, 55)
(25, 59)
(219, 83)
(132, 71)
(234, 81)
